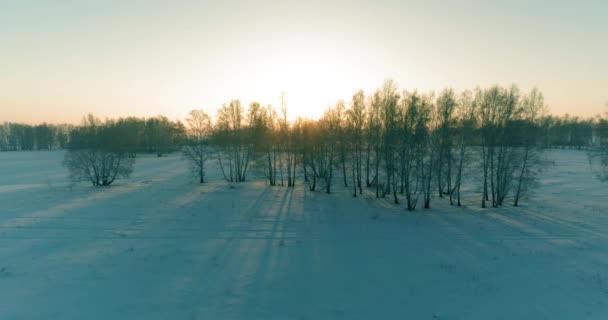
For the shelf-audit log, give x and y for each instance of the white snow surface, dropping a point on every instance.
(161, 246)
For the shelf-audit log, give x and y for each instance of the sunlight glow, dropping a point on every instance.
(65, 59)
(310, 73)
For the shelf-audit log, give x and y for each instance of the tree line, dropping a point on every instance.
(128, 136)
(142, 135)
(17, 136)
(132, 135)
(411, 146)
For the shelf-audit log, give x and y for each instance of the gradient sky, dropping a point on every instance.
(62, 59)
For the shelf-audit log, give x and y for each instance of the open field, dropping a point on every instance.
(160, 246)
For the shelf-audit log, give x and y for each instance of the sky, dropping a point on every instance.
(60, 59)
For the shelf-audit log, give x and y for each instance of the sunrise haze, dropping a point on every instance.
(63, 59)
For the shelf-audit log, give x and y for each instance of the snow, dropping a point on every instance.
(161, 246)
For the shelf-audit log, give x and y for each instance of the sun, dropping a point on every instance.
(312, 75)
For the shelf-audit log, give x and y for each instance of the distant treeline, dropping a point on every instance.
(571, 132)
(151, 135)
(17, 136)
(131, 135)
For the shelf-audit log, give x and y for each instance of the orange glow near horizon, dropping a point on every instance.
(63, 60)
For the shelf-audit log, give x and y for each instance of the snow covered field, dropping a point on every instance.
(160, 246)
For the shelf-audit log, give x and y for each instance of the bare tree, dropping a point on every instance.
(232, 136)
(93, 156)
(289, 147)
(428, 150)
(310, 150)
(390, 135)
(463, 136)
(446, 105)
(356, 117)
(342, 139)
(197, 149)
(374, 142)
(99, 167)
(319, 151)
(263, 130)
(412, 147)
(498, 108)
(529, 148)
(331, 125)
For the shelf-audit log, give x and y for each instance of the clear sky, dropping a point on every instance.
(61, 59)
